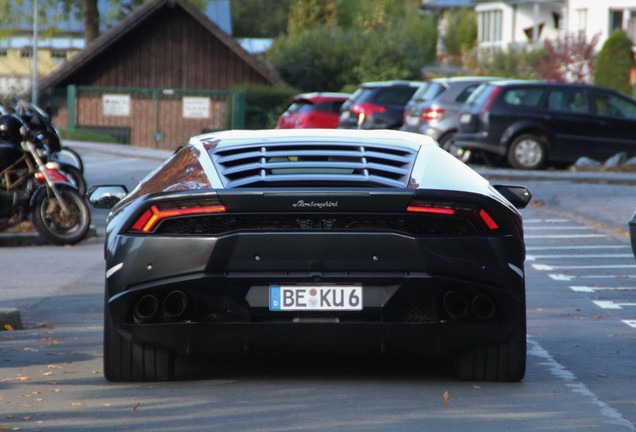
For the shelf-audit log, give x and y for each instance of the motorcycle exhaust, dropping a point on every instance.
(455, 305)
(145, 309)
(174, 305)
(483, 307)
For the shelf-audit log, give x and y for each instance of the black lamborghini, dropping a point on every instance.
(314, 240)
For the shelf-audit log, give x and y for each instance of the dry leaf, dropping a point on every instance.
(54, 342)
(8, 327)
(136, 406)
(22, 378)
(51, 366)
(446, 397)
(47, 373)
(77, 404)
(56, 390)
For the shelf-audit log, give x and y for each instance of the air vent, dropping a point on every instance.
(313, 164)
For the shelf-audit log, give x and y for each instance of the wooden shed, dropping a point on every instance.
(160, 64)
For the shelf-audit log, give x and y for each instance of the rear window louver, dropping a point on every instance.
(320, 163)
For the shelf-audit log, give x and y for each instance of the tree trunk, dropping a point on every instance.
(90, 14)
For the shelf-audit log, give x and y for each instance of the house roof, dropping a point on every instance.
(136, 18)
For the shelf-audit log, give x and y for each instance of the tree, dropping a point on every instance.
(311, 14)
(461, 31)
(259, 18)
(614, 62)
(568, 58)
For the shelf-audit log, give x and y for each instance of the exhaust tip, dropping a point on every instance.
(455, 304)
(174, 305)
(145, 309)
(483, 307)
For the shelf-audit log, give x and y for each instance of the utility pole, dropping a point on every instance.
(34, 83)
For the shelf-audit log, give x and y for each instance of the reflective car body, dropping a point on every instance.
(363, 241)
(313, 110)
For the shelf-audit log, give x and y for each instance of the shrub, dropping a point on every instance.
(614, 62)
(264, 104)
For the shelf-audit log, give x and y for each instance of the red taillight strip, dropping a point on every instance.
(488, 220)
(151, 217)
(433, 210)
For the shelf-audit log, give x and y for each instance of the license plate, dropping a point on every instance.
(412, 120)
(345, 115)
(315, 298)
(464, 118)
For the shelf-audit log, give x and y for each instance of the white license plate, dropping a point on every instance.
(315, 298)
(412, 120)
(345, 115)
(464, 118)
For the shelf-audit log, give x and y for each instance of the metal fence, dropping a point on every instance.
(156, 118)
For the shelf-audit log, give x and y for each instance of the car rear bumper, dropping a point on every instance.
(632, 233)
(479, 141)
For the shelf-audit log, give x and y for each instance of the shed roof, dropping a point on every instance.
(139, 16)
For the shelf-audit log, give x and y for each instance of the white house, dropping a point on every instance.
(512, 23)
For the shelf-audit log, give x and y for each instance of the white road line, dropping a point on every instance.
(584, 256)
(545, 267)
(631, 323)
(546, 220)
(561, 277)
(608, 277)
(565, 236)
(577, 387)
(608, 304)
(546, 248)
(591, 289)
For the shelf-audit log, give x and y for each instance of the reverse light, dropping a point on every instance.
(149, 219)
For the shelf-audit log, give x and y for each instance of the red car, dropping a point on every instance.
(313, 110)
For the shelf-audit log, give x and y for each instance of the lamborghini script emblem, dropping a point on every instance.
(314, 204)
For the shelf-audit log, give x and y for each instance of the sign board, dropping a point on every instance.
(117, 105)
(196, 107)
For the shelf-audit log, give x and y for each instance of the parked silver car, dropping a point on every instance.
(434, 108)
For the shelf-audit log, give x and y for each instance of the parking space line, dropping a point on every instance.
(532, 221)
(588, 247)
(561, 277)
(579, 256)
(591, 289)
(631, 323)
(565, 236)
(545, 267)
(608, 304)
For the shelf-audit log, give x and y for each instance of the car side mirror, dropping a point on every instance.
(519, 196)
(106, 196)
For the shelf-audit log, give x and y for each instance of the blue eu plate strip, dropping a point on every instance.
(274, 298)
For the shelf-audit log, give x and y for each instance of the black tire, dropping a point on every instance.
(57, 226)
(77, 177)
(504, 362)
(527, 151)
(128, 361)
(69, 156)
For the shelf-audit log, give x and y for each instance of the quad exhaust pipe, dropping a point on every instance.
(458, 306)
(147, 309)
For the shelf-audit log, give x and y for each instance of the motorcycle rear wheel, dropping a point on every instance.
(56, 225)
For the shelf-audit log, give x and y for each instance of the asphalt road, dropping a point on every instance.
(581, 289)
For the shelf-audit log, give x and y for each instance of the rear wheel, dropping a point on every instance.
(129, 361)
(77, 177)
(58, 225)
(505, 361)
(527, 151)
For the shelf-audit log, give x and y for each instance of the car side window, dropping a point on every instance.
(569, 100)
(614, 106)
(466, 92)
(524, 96)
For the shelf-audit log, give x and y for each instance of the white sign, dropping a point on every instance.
(196, 107)
(117, 105)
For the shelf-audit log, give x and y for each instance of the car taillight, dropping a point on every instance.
(491, 98)
(430, 114)
(152, 216)
(367, 109)
(479, 215)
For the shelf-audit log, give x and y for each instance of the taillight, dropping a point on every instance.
(491, 98)
(476, 214)
(150, 218)
(367, 109)
(431, 114)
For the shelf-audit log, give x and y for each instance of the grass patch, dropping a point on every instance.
(84, 135)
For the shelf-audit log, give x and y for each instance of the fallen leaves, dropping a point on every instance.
(137, 405)
(8, 327)
(446, 397)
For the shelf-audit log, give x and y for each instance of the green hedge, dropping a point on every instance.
(264, 104)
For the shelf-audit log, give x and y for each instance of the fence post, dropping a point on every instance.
(238, 110)
(71, 93)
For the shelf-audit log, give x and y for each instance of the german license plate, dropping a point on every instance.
(412, 120)
(464, 118)
(315, 298)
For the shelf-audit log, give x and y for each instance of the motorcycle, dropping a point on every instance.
(36, 189)
(39, 121)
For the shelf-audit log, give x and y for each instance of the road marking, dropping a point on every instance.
(608, 277)
(577, 387)
(608, 304)
(542, 248)
(545, 267)
(631, 323)
(546, 220)
(561, 277)
(591, 289)
(585, 256)
(565, 236)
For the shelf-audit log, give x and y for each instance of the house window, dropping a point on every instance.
(615, 20)
(26, 52)
(581, 19)
(490, 26)
(58, 54)
(3, 52)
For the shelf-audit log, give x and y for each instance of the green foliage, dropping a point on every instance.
(85, 135)
(461, 31)
(311, 14)
(259, 18)
(614, 62)
(264, 104)
(383, 47)
(514, 63)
